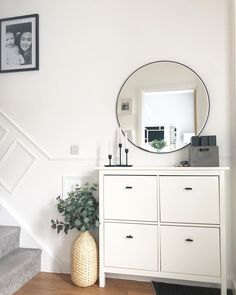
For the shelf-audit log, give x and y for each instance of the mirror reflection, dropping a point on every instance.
(162, 105)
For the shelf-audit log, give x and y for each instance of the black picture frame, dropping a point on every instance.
(19, 43)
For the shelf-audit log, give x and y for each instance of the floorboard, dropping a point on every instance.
(60, 284)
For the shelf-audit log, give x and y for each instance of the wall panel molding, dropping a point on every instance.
(3, 132)
(62, 158)
(39, 147)
(18, 128)
(15, 164)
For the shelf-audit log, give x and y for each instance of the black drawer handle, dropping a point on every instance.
(204, 150)
(128, 187)
(189, 240)
(188, 188)
(129, 237)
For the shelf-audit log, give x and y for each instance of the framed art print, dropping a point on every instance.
(19, 43)
(125, 106)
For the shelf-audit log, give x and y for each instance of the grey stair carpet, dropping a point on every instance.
(17, 265)
(9, 239)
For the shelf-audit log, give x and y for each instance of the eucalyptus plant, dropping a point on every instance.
(79, 209)
(158, 144)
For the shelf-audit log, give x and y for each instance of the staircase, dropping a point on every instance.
(17, 265)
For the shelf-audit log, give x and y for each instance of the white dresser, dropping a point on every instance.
(163, 222)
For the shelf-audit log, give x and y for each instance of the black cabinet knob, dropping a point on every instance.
(189, 240)
(188, 188)
(129, 237)
(128, 187)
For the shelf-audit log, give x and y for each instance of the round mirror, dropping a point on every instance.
(162, 105)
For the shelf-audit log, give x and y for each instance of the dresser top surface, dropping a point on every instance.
(168, 168)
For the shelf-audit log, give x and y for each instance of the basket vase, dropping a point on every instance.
(84, 264)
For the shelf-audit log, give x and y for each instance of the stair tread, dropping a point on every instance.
(6, 230)
(15, 259)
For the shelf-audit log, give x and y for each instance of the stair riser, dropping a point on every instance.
(20, 275)
(9, 242)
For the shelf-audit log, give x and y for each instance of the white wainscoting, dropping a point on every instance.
(15, 164)
(3, 132)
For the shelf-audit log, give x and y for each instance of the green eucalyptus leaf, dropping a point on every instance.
(77, 222)
(84, 213)
(83, 228)
(69, 208)
(86, 219)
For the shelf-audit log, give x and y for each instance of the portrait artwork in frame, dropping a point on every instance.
(125, 106)
(19, 43)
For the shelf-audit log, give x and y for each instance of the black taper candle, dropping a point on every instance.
(109, 157)
(120, 146)
(126, 156)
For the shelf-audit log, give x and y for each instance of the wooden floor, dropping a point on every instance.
(60, 284)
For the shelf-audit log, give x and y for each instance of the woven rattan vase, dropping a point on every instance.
(84, 264)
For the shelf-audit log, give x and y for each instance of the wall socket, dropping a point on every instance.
(74, 149)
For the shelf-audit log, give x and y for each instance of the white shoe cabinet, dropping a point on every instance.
(163, 222)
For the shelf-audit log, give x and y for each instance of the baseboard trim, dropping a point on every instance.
(65, 267)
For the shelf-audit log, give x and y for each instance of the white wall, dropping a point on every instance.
(87, 50)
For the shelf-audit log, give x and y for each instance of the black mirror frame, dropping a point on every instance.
(162, 61)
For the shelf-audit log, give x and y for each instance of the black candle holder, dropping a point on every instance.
(120, 158)
(126, 158)
(109, 165)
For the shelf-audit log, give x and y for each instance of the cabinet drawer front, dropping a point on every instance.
(130, 198)
(189, 199)
(190, 250)
(131, 246)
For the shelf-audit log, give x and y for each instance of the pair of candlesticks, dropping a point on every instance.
(120, 158)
